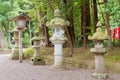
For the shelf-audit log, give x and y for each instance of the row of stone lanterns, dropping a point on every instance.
(58, 38)
(20, 22)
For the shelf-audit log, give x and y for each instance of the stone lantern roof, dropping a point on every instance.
(15, 30)
(58, 21)
(22, 15)
(36, 36)
(98, 35)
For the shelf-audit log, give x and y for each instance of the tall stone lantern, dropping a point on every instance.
(99, 52)
(15, 51)
(58, 38)
(20, 22)
(37, 58)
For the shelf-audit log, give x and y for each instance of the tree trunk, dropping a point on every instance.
(108, 26)
(71, 19)
(85, 21)
(8, 33)
(9, 40)
(30, 34)
(71, 27)
(95, 15)
(41, 28)
(46, 35)
(46, 32)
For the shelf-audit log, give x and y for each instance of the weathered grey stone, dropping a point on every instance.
(99, 52)
(2, 43)
(58, 38)
(15, 51)
(15, 54)
(37, 59)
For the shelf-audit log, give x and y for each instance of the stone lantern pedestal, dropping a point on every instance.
(58, 54)
(15, 51)
(42, 42)
(99, 52)
(58, 38)
(37, 58)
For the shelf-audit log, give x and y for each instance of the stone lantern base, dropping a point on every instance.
(100, 75)
(37, 61)
(57, 66)
(15, 54)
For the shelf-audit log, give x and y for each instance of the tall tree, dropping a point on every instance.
(8, 9)
(40, 20)
(85, 21)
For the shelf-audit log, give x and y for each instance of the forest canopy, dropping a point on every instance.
(82, 14)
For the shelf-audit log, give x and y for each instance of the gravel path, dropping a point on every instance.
(13, 70)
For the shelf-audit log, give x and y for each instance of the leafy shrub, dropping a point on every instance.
(28, 52)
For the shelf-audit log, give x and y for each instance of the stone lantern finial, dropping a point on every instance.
(98, 24)
(57, 13)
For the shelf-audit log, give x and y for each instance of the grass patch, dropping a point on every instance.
(82, 58)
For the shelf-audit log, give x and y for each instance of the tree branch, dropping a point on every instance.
(50, 6)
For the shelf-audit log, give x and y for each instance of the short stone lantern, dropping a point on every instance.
(15, 51)
(20, 21)
(58, 38)
(99, 52)
(37, 58)
(42, 42)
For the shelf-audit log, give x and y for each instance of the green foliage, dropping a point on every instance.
(40, 12)
(28, 53)
(113, 9)
(25, 39)
(9, 46)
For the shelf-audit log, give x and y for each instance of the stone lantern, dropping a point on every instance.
(58, 38)
(20, 22)
(99, 52)
(15, 50)
(37, 58)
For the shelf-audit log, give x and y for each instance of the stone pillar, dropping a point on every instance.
(15, 51)
(37, 58)
(99, 63)
(99, 52)
(2, 41)
(58, 38)
(100, 72)
(58, 54)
